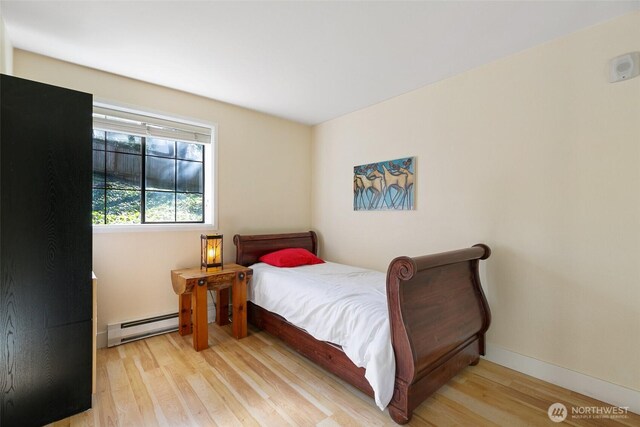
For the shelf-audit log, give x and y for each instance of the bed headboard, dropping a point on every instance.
(251, 247)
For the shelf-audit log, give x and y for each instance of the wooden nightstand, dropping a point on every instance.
(191, 285)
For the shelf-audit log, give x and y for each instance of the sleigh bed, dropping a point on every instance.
(438, 317)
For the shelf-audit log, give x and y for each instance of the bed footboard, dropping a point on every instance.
(437, 309)
(439, 316)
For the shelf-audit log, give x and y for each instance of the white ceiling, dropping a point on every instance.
(305, 61)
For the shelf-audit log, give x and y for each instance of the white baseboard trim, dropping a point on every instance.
(101, 339)
(607, 392)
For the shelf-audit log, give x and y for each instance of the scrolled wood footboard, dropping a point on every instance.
(439, 316)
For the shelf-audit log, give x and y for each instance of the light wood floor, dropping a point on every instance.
(259, 381)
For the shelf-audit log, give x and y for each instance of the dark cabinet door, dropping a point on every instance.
(45, 252)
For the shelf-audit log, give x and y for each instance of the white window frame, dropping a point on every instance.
(210, 176)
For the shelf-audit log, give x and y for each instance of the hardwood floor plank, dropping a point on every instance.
(103, 403)
(489, 407)
(237, 364)
(84, 419)
(102, 380)
(166, 353)
(213, 403)
(301, 387)
(169, 409)
(122, 394)
(532, 391)
(252, 400)
(328, 422)
(445, 411)
(140, 352)
(346, 397)
(279, 391)
(141, 395)
(230, 400)
(222, 406)
(342, 418)
(112, 354)
(190, 398)
(495, 407)
(259, 381)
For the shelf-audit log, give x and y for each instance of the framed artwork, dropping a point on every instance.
(388, 185)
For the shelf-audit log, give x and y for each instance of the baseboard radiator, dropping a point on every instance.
(124, 332)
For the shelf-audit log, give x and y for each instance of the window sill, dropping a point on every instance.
(144, 228)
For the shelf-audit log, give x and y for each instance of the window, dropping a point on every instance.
(148, 170)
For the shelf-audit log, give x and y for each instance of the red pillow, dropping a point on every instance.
(292, 257)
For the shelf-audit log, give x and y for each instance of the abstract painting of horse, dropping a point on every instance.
(388, 185)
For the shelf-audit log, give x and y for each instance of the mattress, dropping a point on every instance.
(341, 304)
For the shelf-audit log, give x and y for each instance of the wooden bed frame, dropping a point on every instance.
(437, 309)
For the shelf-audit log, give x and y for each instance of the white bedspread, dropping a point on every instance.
(337, 303)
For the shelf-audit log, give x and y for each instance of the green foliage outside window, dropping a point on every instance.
(172, 187)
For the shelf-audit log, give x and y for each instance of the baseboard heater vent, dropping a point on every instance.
(124, 332)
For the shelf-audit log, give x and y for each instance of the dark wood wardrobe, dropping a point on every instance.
(45, 252)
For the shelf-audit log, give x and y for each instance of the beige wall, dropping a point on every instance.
(6, 49)
(263, 186)
(536, 155)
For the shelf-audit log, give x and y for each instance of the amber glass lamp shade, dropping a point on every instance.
(211, 252)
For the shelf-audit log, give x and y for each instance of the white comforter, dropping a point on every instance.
(337, 303)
